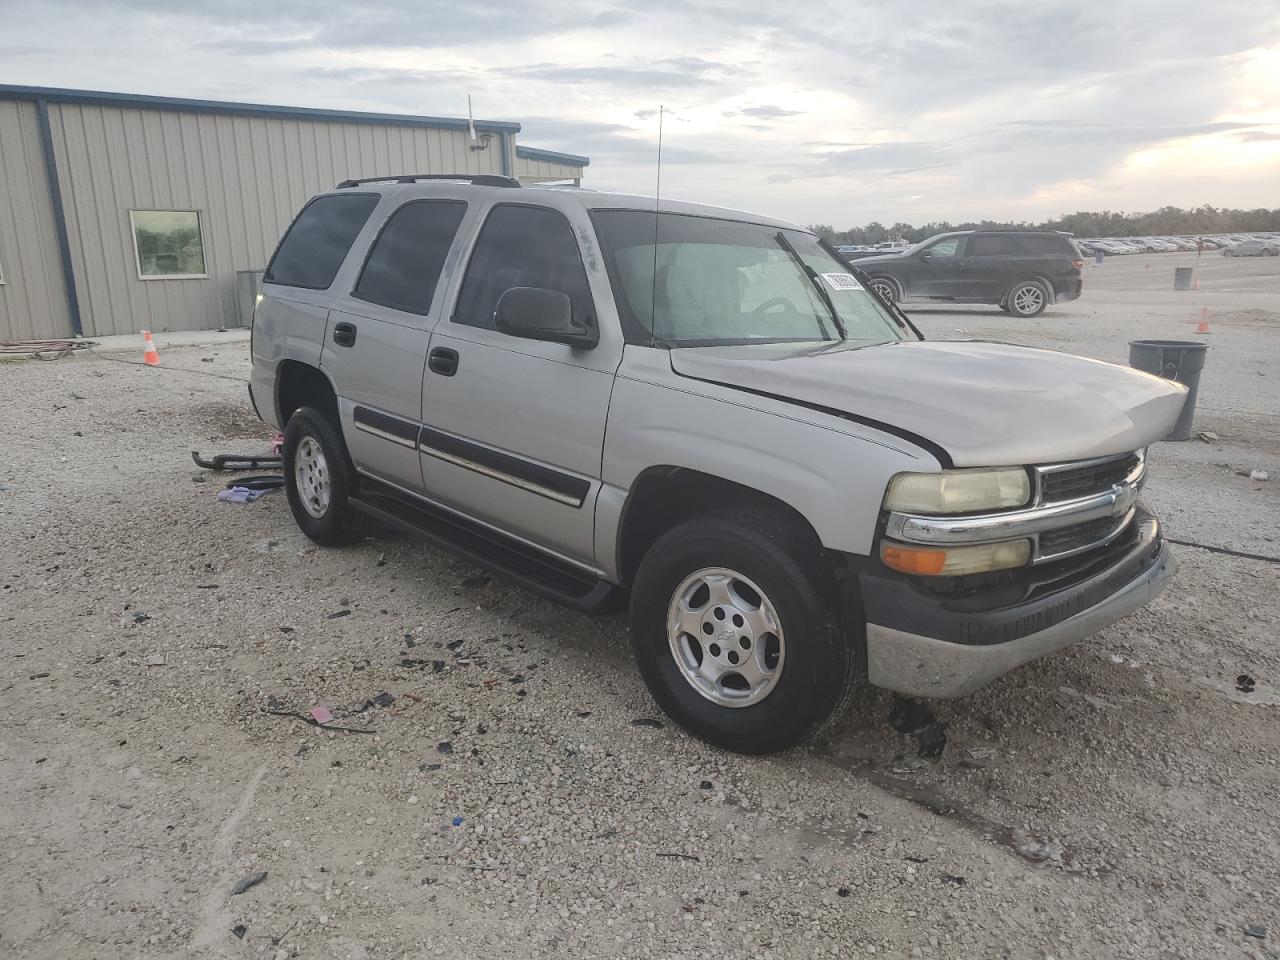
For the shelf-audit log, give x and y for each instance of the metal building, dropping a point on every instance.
(121, 213)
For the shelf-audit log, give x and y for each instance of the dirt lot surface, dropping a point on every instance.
(520, 796)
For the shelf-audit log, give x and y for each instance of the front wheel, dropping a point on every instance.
(886, 289)
(1027, 298)
(735, 630)
(318, 478)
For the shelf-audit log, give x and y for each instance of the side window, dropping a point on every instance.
(405, 262)
(990, 245)
(313, 249)
(945, 248)
(522, 247)
(1042, 245)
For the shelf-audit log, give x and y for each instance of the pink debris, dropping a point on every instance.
(277, 444)
(321, 714)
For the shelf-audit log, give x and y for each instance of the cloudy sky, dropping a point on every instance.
(838, 113)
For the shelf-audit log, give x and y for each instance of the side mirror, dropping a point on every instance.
(538, 314)
(925, 255)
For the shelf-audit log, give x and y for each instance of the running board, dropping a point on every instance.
(504, 556)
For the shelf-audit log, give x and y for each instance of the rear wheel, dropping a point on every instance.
(318, 478)
(1027, 298)
(735, 629)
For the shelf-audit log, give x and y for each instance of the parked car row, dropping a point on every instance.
(1231, 244)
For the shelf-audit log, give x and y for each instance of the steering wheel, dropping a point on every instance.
(787, 306)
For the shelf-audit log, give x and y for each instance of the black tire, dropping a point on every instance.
(338, 522)
(1028, 298)
(887, 288)
(821, 667)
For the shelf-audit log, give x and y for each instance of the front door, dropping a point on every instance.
(514, 428)
(937, 270)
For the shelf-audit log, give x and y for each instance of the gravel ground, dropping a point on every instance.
(520, 795)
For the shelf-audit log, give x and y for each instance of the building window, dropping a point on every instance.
(168, 244)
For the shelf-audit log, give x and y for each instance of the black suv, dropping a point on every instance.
(1021, 270)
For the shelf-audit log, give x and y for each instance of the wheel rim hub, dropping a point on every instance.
(311, 477)
(726, 637)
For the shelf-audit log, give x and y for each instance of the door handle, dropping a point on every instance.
(443, 361)
(344, 334)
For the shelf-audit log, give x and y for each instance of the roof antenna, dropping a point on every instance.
(657, 197)
(471, 120)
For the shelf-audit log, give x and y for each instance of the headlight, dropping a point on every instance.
(958, 491)
(955, 561)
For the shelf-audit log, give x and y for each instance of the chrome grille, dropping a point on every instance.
(1068, 482)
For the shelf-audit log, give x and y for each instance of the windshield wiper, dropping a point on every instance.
(812, 274)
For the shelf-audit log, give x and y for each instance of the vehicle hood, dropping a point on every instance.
(983, 403)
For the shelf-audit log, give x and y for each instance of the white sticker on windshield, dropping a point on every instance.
(842, 281)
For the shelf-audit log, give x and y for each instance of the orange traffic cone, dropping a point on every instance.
(149, 357)
(1204, 321)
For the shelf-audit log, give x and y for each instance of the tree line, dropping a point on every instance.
(1163, 222)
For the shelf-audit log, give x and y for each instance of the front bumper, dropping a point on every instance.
(948, 646)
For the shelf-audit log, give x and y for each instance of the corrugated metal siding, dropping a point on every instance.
(539, 170)
(247, 176)
(33, 305)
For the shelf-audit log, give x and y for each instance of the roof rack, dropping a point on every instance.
(478, 179)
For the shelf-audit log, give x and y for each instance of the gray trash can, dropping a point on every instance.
(1099, 257)
(1180, 360)
(1182, 278)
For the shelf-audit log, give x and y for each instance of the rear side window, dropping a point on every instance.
(1044, 246)
(405, 262)
(522, 247)
(313, 249)
(990, 245)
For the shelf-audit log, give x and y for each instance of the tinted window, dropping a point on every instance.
(1042, 245)
(522, 247)
(405, 262)
(313, 249)
(990, 245)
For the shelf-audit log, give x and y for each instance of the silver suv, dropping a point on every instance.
(709, 412)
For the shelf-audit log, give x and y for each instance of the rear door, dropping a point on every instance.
(376, 346)
(514, 429)
(989, 262)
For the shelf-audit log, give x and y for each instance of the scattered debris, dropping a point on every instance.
(914, 718)
(952, 878)
(1246, 683)
(240, 495)
(647, 722)
(315, 723)
(680, 856)
(38, 676)
(911, 859)
(1208, 436)
(383, 699)
(705, 785)
(1256, 930)
(236, 461)
(444, 747)
(239, 930)
(1259, 475)
(982, 753)
(157, 660)
(583, 714)
(456, 821)
(140, 617)
(250, 881)
(339, 614)
(382, 562)
(428, 767)
(843, 892)
(412, 800)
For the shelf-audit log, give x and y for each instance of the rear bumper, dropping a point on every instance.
(1066, 290)
(926, 646)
